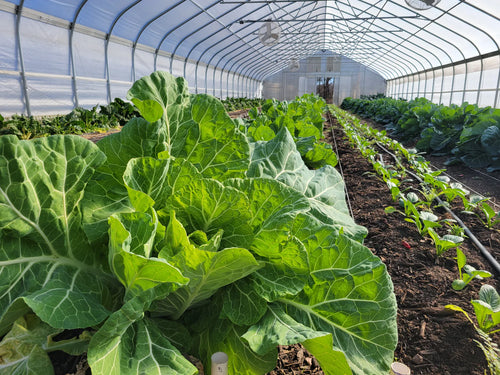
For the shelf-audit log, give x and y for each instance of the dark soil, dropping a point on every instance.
(432, 339)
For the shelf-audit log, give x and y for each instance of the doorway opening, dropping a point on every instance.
(324, 88)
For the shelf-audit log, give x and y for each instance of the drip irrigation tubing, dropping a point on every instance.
(493, 262)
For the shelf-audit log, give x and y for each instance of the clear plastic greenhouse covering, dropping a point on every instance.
(58, 54)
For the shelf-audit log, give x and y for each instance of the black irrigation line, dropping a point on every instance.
(491, 259)
(482, 249)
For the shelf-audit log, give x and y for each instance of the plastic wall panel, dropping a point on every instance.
(163, 63)
(89, 56)
(91, 92)
(490, 73)
(215, 91)
(473, 75)
(486, 98)
(8, 52)
(209, 83)
(119, 89)
(475, 82)
(48, 96)
(144, 63)
(45, 47)
(177, 67)
(445, 98)
(470, 96)
(190, 67)
(120, 62)
(11, 97)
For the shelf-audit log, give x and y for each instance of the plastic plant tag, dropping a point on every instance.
(398, 368)
(219, 363)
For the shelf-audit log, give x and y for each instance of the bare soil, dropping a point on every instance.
(432, 339)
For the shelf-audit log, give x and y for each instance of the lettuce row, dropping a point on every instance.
(179, 235)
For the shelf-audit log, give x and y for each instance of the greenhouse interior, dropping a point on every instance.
(250, 187)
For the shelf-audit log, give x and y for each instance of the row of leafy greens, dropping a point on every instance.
(80, 120)
(179, 235)
(467, 133)
(303, 117)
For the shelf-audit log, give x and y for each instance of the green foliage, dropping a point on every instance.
(486, 343)
(469, 273)
(303, 117)
(80, 120)
(234, 104)
(486, 309)
(182, 235)
(466, 132)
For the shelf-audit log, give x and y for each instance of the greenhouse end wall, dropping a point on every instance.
(349, 79)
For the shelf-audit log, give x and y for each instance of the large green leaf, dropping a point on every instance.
(208, 271)
(172, 94)
(107, 194)
(277, 328)
(351, 297)
(279, 159)
(45, 258)
(209, 206)
(223, 336)
(157, 178)
(23, 351)
(132, 237)
(197, 128)
(490, 140)
(130, 344)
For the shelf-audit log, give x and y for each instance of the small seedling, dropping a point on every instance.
(444, 243)
(492, 217)
(469, 273)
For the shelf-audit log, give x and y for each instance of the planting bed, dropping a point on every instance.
(432, 340)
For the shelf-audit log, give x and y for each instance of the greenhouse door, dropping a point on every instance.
(324, 88)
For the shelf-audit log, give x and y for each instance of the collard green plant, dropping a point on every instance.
(444, 243)
(467, 273)
(486, 309)
(179, 235)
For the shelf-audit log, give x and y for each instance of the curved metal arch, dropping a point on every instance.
(252, 47)
(196, 44)
(428, 51)
(158, 47)
(146, 25)
(466, 67)
(477, 49)
(245, 56)
(207, 38)
(264, 75)
(106, 45)
(222, 58)
(234, 50)
(278, 68)
(71, 51)
(19, 12)
(365, 64)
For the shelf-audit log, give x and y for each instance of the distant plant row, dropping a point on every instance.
(98, 118)
(467, 133)
(234, 104)
(78, 121)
